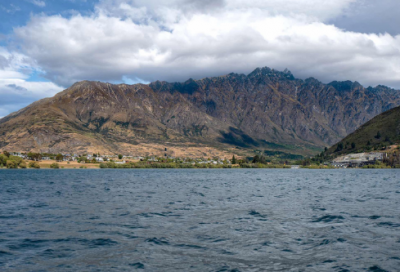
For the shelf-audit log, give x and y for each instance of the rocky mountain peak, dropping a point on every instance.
(272, 74)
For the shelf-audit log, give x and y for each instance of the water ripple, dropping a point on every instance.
(199, 220)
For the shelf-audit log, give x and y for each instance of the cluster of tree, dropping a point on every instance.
(317, 160)
(54, 166)
(3, 159)
(38, 156)
(86, 160)
(59, 157)
(376, 165)
(34, 156)
(345, 146)
(393, 160)
(13, 162)
(308, 161)
(259, 159)
(10, 161)
(34, 165)
(379, 135)
(376, 145)
(268, 157)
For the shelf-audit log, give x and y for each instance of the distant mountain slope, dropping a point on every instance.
(266, 109)
(382, 130)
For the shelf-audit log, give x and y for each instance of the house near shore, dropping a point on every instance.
(357, 159)
(120, 162)
(152, 159)
(18, 154)
(340, 164)
(67, 158)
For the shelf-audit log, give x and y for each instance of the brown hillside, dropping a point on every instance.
(265, 110)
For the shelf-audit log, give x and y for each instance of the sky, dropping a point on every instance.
(47, 45)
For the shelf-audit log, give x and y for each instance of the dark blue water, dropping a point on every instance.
(200, 220)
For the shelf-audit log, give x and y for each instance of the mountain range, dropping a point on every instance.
(264, 110)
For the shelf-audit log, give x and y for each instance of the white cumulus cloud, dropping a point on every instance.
(177, 39)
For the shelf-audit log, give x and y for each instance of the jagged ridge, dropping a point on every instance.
(266, 109)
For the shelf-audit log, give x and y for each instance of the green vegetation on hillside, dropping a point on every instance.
(377, 134)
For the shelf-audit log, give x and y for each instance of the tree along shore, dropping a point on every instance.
(13, 162)
(189, 165)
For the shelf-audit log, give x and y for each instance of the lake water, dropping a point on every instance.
(200, 220)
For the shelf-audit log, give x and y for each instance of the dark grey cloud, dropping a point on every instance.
(18, 89)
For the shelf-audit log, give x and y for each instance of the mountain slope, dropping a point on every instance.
(266, 109)
(382, 130)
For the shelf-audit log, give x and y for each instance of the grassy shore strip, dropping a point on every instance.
(69, 165)
(17, 163)
(318, 167)
(187, 165)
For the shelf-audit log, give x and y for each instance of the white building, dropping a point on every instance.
(122, 162)
(357, 159)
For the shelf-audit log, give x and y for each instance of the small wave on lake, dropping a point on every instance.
(199, 220)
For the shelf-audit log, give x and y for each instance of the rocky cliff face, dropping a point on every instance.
(266, 109)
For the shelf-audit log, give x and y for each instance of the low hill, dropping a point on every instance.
(381, 131)
(266, 110)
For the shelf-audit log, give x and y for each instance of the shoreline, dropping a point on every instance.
(194, 168)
